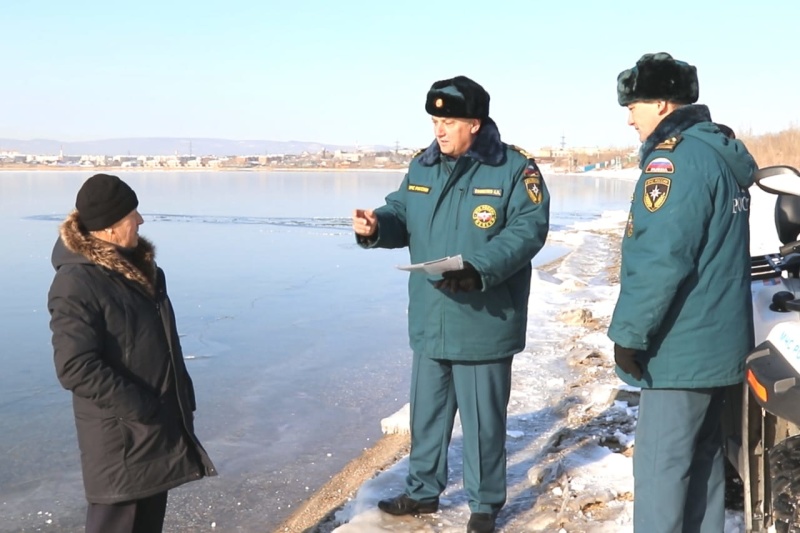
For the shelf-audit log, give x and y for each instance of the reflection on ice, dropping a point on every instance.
(314, 222)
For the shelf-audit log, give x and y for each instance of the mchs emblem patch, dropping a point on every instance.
(484, 216)
(656, 191)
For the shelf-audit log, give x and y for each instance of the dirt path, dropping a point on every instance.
(316, 515)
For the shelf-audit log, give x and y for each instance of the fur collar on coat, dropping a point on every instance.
(138, 267)
(673, 124)
(487, 148)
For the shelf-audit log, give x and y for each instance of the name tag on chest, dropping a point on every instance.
(478, 191)
(418, 188)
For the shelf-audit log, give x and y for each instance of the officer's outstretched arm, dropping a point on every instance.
(392, 231)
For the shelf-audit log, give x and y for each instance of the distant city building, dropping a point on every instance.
(558, 159)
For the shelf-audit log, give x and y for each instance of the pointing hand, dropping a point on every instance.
(365, 223)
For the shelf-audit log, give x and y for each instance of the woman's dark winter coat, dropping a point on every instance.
(116, 348)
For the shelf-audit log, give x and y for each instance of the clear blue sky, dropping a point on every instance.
(357, 71)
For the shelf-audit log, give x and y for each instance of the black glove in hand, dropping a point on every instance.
(464, 280)
(626, 360)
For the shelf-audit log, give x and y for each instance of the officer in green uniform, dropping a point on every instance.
(683, 322)
(472, 195)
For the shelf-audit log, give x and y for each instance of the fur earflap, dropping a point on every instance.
(658, 77)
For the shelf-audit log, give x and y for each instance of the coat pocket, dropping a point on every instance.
(99, 437)
(151, 440)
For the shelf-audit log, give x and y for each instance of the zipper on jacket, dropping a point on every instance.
(174, 369)
(168, 340)
(459, 203)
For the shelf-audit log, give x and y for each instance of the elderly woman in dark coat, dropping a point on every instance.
(116, 348)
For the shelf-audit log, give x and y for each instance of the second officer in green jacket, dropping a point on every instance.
(467, 194)
(683, 322)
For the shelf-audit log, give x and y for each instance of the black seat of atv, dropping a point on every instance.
(787, 217)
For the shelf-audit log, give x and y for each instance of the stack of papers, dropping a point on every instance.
(437, 266)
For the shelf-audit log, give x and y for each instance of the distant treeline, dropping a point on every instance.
(782, 148)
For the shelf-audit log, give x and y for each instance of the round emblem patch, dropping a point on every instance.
(484, 216)
(439, 102)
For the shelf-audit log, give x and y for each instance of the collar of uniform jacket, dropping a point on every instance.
(679, 120)
(487, 148)
(80, 247)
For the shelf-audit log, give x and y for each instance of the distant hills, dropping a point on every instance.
(172, 146)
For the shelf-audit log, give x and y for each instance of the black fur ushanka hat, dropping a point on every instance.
(458, 97)
(658, 77)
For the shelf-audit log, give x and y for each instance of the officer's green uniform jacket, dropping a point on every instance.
(492, 207)
(685, 278)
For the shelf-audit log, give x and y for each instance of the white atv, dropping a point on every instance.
(762, 424)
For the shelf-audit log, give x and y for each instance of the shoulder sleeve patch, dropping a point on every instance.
(416, 154)
(670, 144)
(660, 165)
(656, 191)
(534, 189)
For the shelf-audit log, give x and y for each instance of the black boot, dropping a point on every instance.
(481, 523)
(400, 505)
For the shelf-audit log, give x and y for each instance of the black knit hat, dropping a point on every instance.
(458, 97)
(104, 200)
(658, 77)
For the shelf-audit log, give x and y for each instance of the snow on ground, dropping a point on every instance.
(570, 420)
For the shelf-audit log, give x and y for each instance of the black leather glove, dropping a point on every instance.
(626, 361)
(464, 280)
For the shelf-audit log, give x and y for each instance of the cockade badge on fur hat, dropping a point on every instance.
(458, 97)
(658, 77)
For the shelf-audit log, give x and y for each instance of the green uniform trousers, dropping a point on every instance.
(480, 392)
(678, 465)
